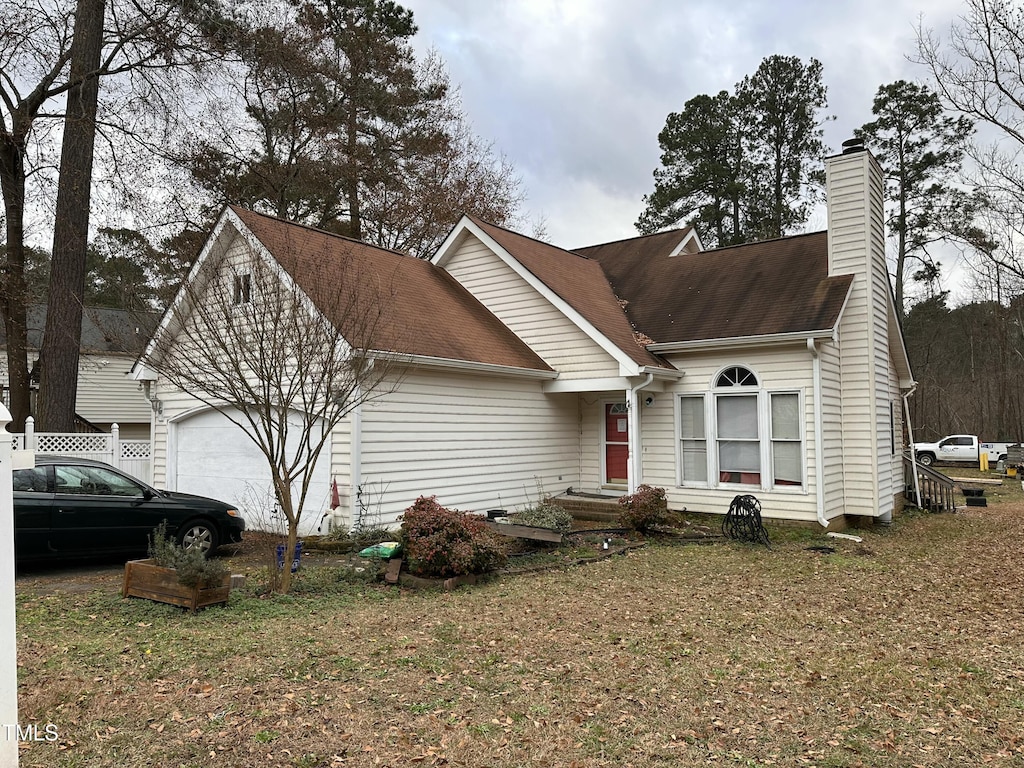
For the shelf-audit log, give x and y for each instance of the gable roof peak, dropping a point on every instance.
(681, 231)
(243, 212)
(483, 223)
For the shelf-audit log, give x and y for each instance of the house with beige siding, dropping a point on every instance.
(775, 369)
(110, 343)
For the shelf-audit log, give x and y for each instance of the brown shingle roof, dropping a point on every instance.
(643, 247)
(428, 312)
(579, 282)
(773, 287)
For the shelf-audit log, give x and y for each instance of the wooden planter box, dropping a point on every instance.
(143, 578)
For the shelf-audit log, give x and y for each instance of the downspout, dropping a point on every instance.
(635, 459)
(356, 463)
(910, 437)
(819, 435)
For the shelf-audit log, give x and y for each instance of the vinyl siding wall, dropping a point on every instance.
(175, 403)
(527, 313)
(475, 441)
(832, 431)
(787, 369)
(106, 395)
(856, 245)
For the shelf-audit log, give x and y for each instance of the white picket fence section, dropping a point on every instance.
(131, 456)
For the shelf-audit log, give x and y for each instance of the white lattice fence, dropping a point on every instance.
(135, 459)
(84, 446)
(132, 456)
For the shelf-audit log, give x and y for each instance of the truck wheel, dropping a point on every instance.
(925, 459)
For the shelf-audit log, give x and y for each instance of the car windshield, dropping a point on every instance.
(94, 481)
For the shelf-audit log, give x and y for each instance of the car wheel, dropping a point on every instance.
(925, 459)
(198, 534)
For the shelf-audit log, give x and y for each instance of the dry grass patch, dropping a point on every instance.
(903, 650)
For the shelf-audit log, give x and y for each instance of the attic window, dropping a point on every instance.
(737, 376)
(243, 288)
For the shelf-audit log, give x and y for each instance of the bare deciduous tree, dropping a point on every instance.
(977, 71)
(285, 354)
(140, 40)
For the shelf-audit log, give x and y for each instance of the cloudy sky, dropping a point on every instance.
(574, 92)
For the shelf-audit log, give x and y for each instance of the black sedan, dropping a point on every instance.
(68, 508)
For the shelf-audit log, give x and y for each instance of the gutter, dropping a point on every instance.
(739, 341)
(635, 459)
(428, 361)
(819, 435)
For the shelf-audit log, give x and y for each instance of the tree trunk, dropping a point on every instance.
(12, 283)
(352, 183)
(59, 355)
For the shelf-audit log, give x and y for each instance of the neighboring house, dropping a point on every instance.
(775, 369)
(112, 340)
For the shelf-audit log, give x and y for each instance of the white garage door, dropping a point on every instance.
(213, 457)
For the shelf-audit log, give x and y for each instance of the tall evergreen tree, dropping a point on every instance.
(702, 173)
(343, 130)
(781, 103)
(744, 166)
(921, 149)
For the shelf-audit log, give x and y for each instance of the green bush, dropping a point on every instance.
(193, 567)
(645, 508)
(545, 515)
(440, 543)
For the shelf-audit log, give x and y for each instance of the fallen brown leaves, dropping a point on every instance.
(906, 650)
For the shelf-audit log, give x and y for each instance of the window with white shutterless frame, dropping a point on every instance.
(740, 435)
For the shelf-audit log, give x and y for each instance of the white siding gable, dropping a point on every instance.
(528, 314)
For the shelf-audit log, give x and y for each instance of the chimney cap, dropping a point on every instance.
(855, 144)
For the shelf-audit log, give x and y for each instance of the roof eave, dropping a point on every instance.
(473, 366)
(741, 341)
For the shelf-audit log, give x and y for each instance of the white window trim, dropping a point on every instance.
(802, 427)
(681, 481)
(765, 440)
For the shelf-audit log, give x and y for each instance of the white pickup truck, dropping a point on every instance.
(960, 449)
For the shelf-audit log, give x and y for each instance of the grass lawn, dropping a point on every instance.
(904, 650)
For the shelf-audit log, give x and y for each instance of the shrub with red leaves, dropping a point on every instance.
(644, 508)
(441, 543)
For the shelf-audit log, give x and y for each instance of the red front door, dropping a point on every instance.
(616, 444)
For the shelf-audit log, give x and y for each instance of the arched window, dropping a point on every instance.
(738, 427)
(736, 376)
